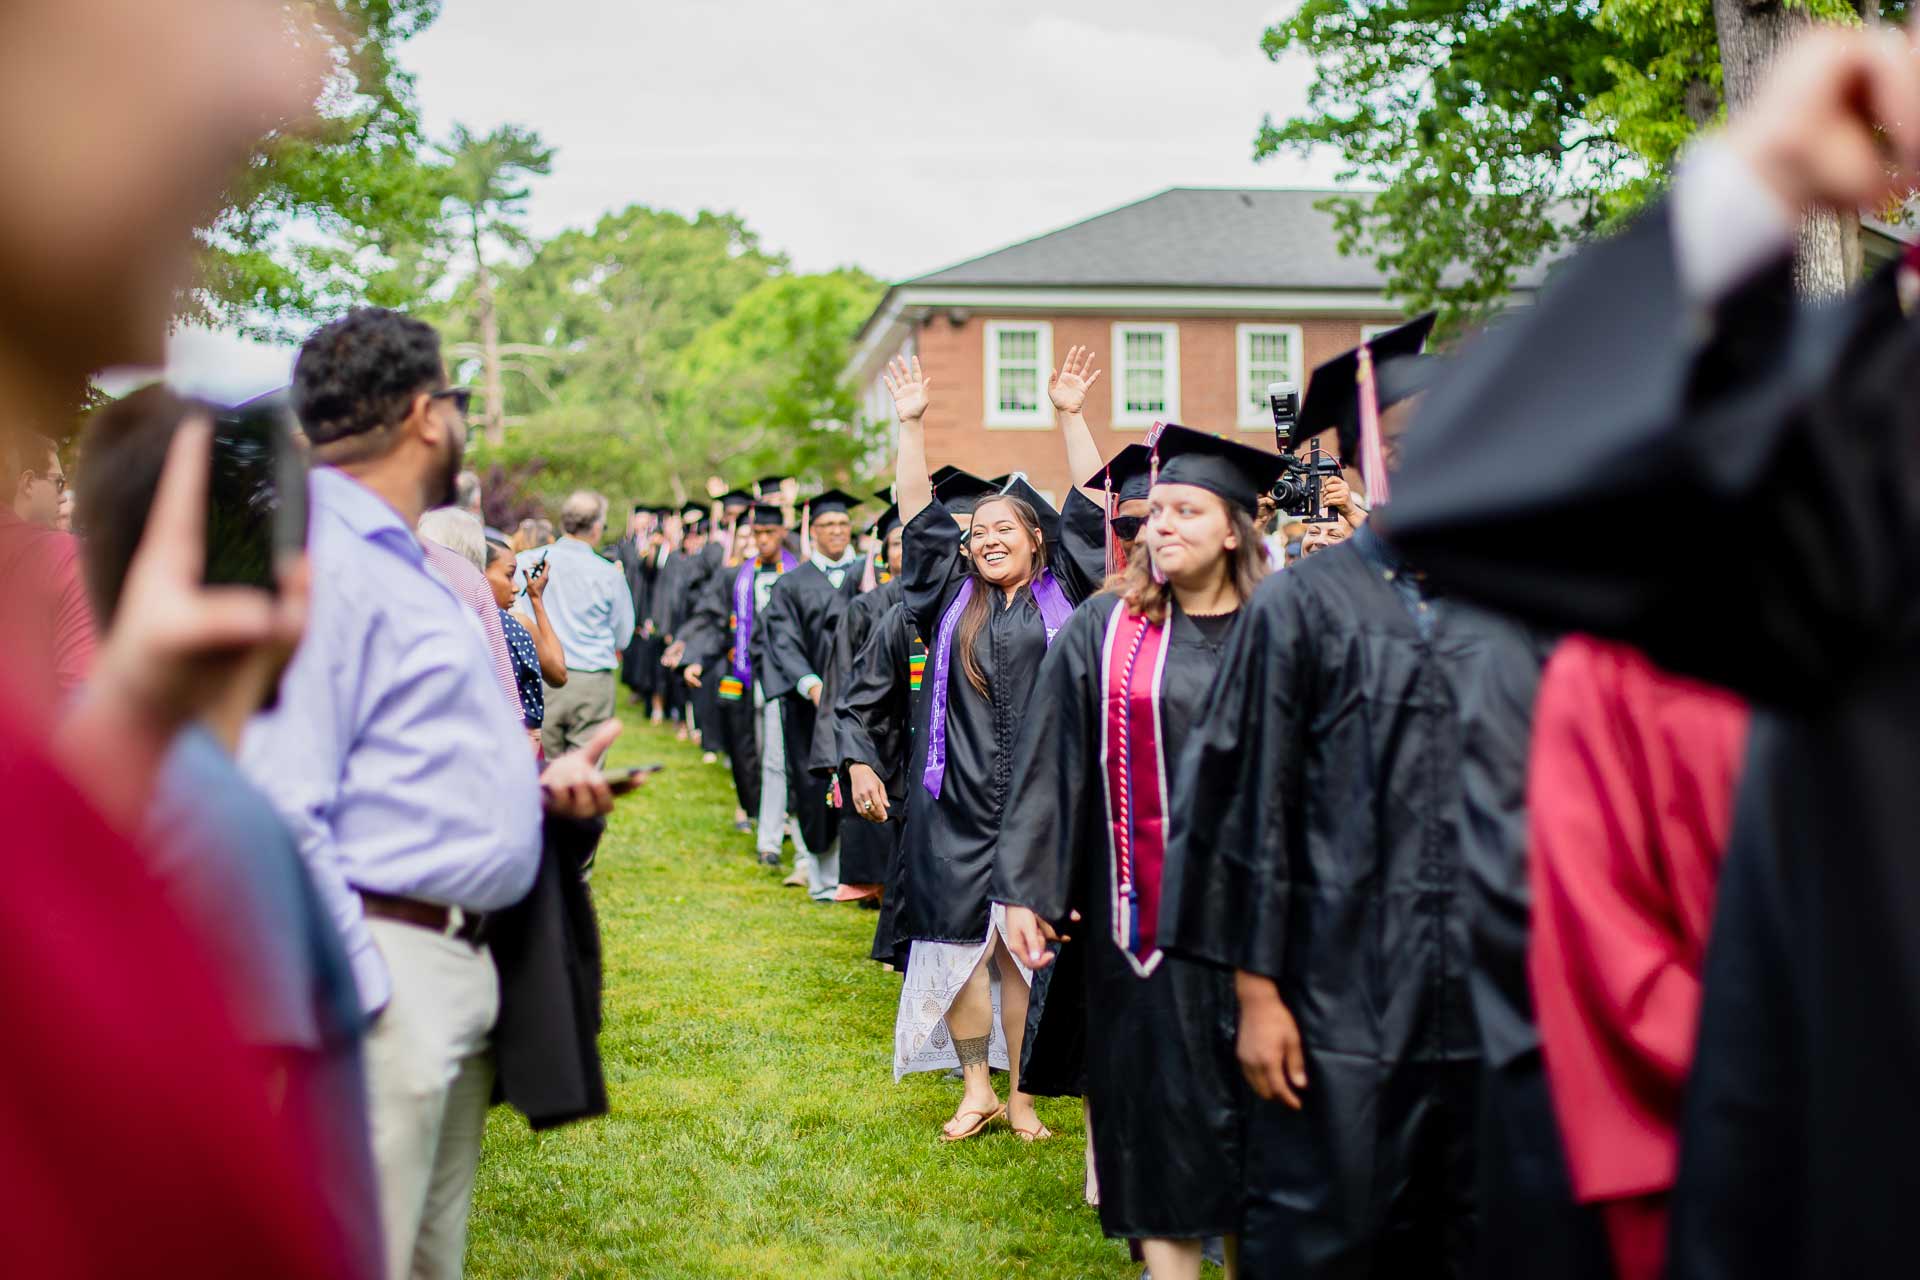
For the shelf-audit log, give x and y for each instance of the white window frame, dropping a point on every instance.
(1258, 416)
(1000, 419)
(1134, 421)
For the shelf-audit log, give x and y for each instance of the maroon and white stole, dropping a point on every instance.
(1134, 766)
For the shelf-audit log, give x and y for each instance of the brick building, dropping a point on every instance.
(1194, 299)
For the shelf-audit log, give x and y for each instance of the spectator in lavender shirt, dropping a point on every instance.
(403, 772)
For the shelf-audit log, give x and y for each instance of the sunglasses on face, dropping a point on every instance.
(1127, 528)
(460, 397)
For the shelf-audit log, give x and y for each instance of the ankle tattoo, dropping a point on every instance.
(972, 1049)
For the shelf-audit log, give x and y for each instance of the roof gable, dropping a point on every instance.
(1184, 237)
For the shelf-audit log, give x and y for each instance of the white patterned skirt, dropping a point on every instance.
(936, 971)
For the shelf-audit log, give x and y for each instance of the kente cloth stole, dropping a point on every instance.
(1133, 765)
(1055, 609)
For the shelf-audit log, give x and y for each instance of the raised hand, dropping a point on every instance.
(909, 388)
(1067, 387)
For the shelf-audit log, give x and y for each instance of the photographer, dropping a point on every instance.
(221, 854)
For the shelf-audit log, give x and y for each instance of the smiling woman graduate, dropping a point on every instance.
(989, 608)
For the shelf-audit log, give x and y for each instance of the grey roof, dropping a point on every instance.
(1184, 237)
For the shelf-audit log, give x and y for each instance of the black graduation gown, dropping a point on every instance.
(1164, 1089)
(1320, 845)
(948, 848)
(708, 632)
(801, 619)
(865, 847)
(1774, 451)
(875, 716)
(627, 554)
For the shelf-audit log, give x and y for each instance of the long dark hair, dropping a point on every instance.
(1246, 565)
(980, 606)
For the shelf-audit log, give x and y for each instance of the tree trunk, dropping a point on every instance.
(1752, 33)
(494, 416)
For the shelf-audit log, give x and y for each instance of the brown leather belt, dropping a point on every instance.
(469, 927)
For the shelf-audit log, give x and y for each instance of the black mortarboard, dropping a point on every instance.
(1400, 372)
(735, 501)
(768, 486)
(641, 507)
(693, 513)
(829, 503)
(1237, 472)
(1128, 473)
(889, 521)
(766, 515)
(1017, 487)
(960, 491)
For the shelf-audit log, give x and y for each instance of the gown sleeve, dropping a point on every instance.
(1226, 887)
(1051, 820)
(1616, 981)
(933, 571)
(1079, 558)
(823, 757)
(706, 628)
(867, 715)
(785, 620)
(1722, 487)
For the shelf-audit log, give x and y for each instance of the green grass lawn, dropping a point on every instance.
(756, 1129)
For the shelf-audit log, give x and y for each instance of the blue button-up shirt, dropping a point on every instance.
(391, 753)
(587, 602)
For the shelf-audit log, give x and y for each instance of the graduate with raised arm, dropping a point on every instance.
(1776, 446)
(803, 612)
(989, 605)
(1085, 836)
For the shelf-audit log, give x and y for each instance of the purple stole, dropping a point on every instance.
(743, 616)
(1055, 609)
(1134, 768)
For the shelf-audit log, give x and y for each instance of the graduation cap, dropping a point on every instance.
(960, 491)
(693, 515)
(831, 502)
(735, 501)
(769, 486)
(889, 520)
(1128, 474)
(1400, 372)
(1236, 472)
(768, 516)
(1017, 487)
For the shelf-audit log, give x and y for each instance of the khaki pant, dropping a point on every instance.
(429, 1078)
(588, 700)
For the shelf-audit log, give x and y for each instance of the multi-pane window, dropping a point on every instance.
(1019, 357)
(1146, 374)
(1269, 353)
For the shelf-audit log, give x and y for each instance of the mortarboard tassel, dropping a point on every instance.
(1115, 563)
(1153, 478)
(806, 531)
(1373, 455)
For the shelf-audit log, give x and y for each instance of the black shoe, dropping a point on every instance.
(744, 826)
(770, 860)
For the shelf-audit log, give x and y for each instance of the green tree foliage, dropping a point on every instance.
(314, 222)
(762, 390)
(1500, 132)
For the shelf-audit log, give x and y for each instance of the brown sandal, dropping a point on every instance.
(985, 1118)
(1039, 1133)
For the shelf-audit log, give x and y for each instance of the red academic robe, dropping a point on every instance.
(136, 1136)
(1630, 798)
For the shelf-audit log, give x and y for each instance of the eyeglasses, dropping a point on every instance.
(461, 398)
(59, 482)
(1127, 528)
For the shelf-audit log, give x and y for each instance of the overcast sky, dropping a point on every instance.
(895, 137)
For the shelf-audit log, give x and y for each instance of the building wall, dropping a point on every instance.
(954, 357)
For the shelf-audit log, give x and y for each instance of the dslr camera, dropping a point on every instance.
(1298, 488)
